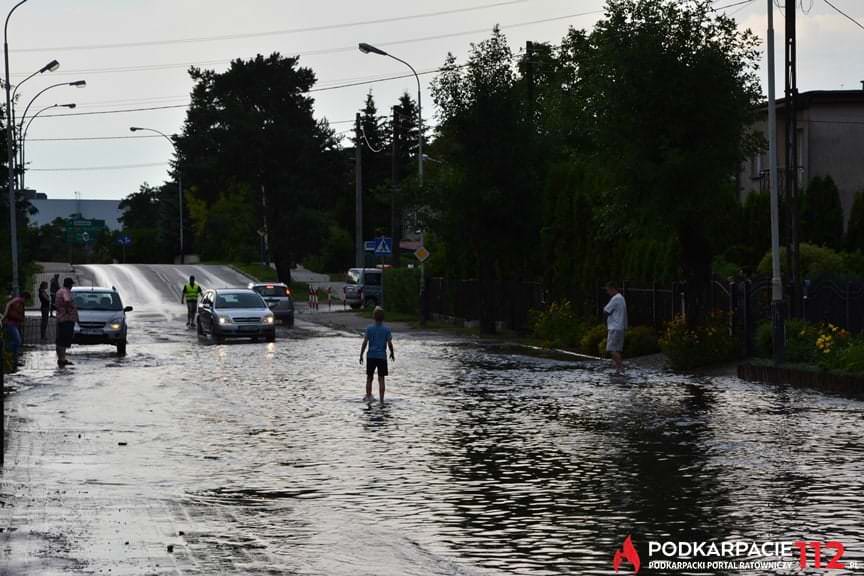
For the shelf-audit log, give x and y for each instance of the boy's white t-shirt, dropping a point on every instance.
(617, 313)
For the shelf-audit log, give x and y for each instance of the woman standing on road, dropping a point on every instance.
(67, 316)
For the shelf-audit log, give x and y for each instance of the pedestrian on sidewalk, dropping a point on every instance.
(45, 308)
(616, 325)
(378, 338)
(67, 316)
(13, 320)
(55, 286)
(190, 294)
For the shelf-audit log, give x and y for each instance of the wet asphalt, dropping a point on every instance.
(190, 457)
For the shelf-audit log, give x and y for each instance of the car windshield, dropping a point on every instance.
(239, 300)
(353, 276)
(272, 291)
(98, 301)
(372, 278)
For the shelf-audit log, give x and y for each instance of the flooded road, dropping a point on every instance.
(261, 458)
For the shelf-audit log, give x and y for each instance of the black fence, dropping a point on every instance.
(508, 303)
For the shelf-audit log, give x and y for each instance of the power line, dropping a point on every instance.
(732, 5)
(850, 18)
(323, 51)
(95, 168)
(175, 106)
(287, 31)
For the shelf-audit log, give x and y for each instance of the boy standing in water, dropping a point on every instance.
(378, 338)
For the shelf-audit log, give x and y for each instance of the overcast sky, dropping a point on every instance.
(88, 37)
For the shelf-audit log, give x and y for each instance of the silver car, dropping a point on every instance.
(235, 313)
(101, 317)
(278, 296)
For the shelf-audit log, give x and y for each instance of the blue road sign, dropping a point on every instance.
(124, 240)
(369, 245)
(384, 246)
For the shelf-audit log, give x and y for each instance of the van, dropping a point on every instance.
(364, 287)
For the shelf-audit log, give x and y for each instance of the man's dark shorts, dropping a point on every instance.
(376, 363)
(65, 334)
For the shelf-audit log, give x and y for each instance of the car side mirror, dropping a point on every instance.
(128, 309)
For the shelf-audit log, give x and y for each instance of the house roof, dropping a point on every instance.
(822, 97)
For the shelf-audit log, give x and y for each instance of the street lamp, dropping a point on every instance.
(76, 84)
(179, 177)
(24, 133)
(10, 158)
(369, 49)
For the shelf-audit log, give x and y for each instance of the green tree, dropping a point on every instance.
(250, 133)
(486, 195)
(666, 92)
(855, 229)
(823, 214)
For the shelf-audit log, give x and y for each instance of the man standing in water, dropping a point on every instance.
(378, 338)
(67, 316)
(190, 294)
(616, 324)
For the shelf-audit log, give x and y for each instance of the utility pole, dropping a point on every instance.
(777, 313)
(394, 192)
(792, 188)
(359, 256)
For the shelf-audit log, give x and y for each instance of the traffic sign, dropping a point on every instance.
(369, 245)
(384, 246)
(124, 240)
(422, 254)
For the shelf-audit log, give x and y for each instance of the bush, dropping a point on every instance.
(638, 341)
(558, 325)
(849, 359)
(592, 339)
(815, 260)
(806, 343)
(402, 290)
(691, 347)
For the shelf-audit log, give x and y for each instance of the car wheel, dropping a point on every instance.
(291, 321)
(217, 337)
(271, 336)
(121, 348)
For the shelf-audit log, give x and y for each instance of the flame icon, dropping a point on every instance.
(627, 552)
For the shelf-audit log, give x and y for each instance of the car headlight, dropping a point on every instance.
(225, 320)
(268, 319)
(116, 326)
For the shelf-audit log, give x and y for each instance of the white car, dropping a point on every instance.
(101, 317)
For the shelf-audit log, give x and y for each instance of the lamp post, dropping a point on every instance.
(777, 312)
(179, 177)
(76, 84)
(10, 158)
(369, 49)
(27, 128)
(52, 66)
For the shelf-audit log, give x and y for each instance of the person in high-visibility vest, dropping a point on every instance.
(190, 294)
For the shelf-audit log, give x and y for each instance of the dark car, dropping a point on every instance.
(235, 313)
(279, 298)
(364, 287)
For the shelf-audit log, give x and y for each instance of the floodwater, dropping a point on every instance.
(262, 458)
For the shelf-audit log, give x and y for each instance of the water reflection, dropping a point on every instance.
(478, 462)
